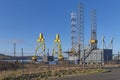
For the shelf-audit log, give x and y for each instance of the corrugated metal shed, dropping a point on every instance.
(99, 55)
(95, 56)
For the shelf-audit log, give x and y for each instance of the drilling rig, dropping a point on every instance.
(57, 49)
(93, 40)
(40, 47)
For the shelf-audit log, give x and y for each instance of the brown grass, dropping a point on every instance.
(33, 68)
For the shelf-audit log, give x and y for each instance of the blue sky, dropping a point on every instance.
(23, 20)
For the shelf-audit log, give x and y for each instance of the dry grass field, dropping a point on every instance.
(33, 71)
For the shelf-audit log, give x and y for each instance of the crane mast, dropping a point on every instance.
(73, 34)
(93, 40)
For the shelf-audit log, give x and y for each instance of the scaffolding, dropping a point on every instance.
(73, 34)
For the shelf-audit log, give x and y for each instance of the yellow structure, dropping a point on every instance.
(34, 58)
(93, 41)
(57, 49)
(40, 39)
(40, 43)
(40, 47)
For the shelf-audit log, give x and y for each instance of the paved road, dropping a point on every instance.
(113, 75)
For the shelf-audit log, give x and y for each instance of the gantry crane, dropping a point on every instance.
(57, 49)
(40, 47)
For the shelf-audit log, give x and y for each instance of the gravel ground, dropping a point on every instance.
(113, 75)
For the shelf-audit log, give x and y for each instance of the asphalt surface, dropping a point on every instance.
(113, 75)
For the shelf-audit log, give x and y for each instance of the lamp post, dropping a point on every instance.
(14, 44)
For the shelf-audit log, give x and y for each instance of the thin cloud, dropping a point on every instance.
(18, 41)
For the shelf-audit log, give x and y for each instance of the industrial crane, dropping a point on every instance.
(93, 41)
(40, 47)
(57, 49)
